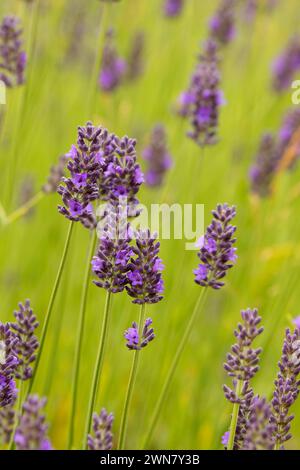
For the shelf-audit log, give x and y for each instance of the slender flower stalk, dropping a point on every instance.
(79, 340)
(131, 383)
(51, 303)
(25, 208)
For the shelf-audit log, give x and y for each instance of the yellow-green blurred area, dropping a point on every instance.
(64, 40)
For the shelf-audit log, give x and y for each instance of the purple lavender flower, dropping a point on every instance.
(12, 57)
(102, 427)
(224, 439)
(27, 341)
(113, 67)
(286, 65)
(145, 283)
(222, 24)
(7, 420)
(296, 322)
(56, 174)
(8, 365)
(287, 387)
(287, 136)
(242, 365)
(204, 98)
(262, 172)
(31, 432)
(173, 7)
(259, 434)
(136, 56)
(132, 336)
(157, 155)
(217, 254)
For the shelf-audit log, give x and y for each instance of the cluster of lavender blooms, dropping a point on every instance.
(261, 425)
(12, 56)
(157, 156)
(173, 8)
(102, 167)
(56, 174)
(31, 432)
(273, 151)
(27, 344)
(8, 365)
(222, 24)
(217, 253)
(135, 340)
(286, 65)
(135, 62)
(201, 102)
(113, 67)
(102, 430)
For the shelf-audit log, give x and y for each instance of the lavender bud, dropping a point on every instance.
(259, 433)
(132, 336)
(12, 57)
(102, 426)
(262, 172)
(217, 254)
(113, 67)
(222, 24)
(157, 155)
(289, 136)
(56, 174)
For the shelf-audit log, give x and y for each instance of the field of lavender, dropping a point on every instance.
(205, 88)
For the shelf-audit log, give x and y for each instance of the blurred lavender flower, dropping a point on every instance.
(26, 192)
(8, 365)
(222, 24)
(145, 283)
(287, 387)
(224, 439)
(102, 426)
(111, 262)
(296, 322)
(113, 67)
(132, 335)
(290, 126)
(259, 434)
(157, 156)
(286, 65)
(12, 57)
(31, 432)
(27, 341)
(217, 254)
(202, 100)
(136, 56)
(173, 7)
(7, 420)
(262, 172)
(56, 174)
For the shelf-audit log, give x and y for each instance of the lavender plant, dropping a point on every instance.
(102, 438)
(135, 340)
(113, 67)
(157, 156)
(222, 24)
(262, 172)
(173, 8)
(12, 55)
(286, 65)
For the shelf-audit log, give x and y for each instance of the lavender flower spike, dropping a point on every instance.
(8, 365)
(260, 431)
(289, 137)
(27, 345)
(173, 8)
(217, 254)
(157, 156)
(102, 426)
(222, 24)
(145, 283)
(286, 65)
(31, 432)
(262, 172)
(132, 335)
(113, 67)
(7, 420)
(136, 56)
(56, 174)
(287, 387)
(12, 57)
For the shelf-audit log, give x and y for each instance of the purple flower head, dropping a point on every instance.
(8, 364)
(27, 345)
(157, 156)
(262, 172)
(136, 56)
(173, 8)
(286, 65)
(135, 340)
(12, 57)
(202, 100)
(145, 283)
(289, 136)
(287, 387)
(113, 67)
(31, 433)
(259, 434)
(102, 438)
(224, 439)
(216, 253)
(222, 24)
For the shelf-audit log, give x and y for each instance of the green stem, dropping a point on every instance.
(98, 367)
(80, 334)
(3, 216)
(51, 303)
(17, 415)
(172, 368)
(23, 210)
(234, 416)
(130, 387)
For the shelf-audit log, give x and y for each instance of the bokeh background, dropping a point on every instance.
(64, 40)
